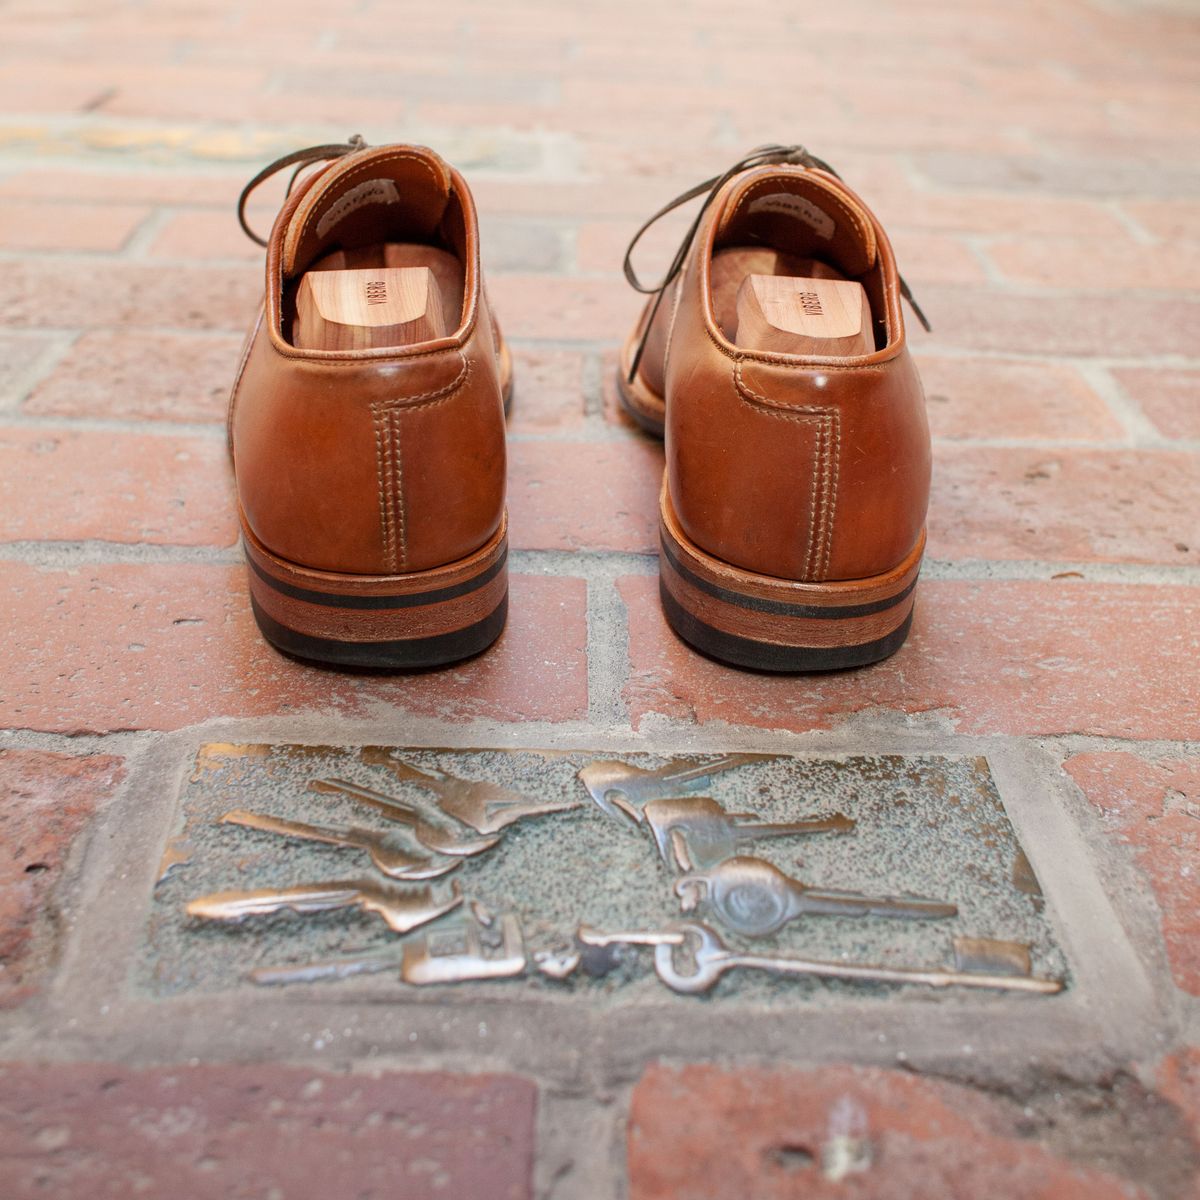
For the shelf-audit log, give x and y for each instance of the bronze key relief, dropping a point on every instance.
(429, 867)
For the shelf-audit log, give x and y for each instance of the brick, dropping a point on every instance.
(585, 495)
(844, 1132)
(46, 800)
(141, 376)
(1062, 170)
(1167, 396)
(131, 187)
(1065, 504)
(935, 258)
(67, 226)
(1104, 263)
(1166, 219)
(996, 213)
(520, 244)
(1043, 324)
(107, 647)
(205, 235)
(230, 1130)
(74, 293)
(548, 390)
(114, 487)
(1179, 1084)
(999, 398)
(552, 307)
(20, 355)
(601, 245)
(1153, 807)
(1010, 657)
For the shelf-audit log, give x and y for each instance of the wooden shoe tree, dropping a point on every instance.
(366, 309)
(786, 314)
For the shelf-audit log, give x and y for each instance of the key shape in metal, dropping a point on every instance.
(485, 807)
(619, 787)
(754, 897)
(433, 837)
(424, 964)
(395, 861)
(711, 958)
(400, 910)
(693, 832)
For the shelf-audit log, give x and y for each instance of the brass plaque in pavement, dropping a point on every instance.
(744, 877)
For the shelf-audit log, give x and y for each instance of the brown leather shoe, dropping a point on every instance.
(367, 418)
(797, 481)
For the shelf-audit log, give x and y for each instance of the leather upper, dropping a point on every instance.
(801, 468)
(381, 461)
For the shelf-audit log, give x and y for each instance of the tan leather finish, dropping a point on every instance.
(813, 468)
(381, 461)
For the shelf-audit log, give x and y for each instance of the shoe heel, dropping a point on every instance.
(420, 619)
(770, 624)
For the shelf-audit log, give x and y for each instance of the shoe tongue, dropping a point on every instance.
(387, 193)
(802, 212)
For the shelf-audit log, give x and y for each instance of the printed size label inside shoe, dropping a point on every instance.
(772, 879)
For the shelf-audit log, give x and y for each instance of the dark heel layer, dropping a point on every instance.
(420, 619)
(770, 624)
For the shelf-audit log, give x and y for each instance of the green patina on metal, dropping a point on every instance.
(884, 826)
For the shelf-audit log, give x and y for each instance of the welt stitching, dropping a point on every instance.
(833, 489)
(828, 451)
(398, 488)
(383, 478)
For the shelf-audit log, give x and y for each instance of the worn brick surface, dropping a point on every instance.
(1153, 807)
(143, 376)
(990, 657)
(1117, 506)
(114, 487)
(585, 495)
(46, 799)
(548, 390)
(1170, 398)
(160, 646)
(67, 226)
(548, 306)
(1106, 263)
(839, 1132)
(1006, 398)
(247, 1131)
(62, 292)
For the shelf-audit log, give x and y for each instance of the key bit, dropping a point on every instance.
(694, 832)
(754, 897)
(485, 807)
(395, 861)
(401, 911)
(619, 787)
(710, 958)
(433, 837)
(424, 963)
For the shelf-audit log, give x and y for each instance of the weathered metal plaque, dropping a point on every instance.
(752, 878)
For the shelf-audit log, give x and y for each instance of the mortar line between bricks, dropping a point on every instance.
(46, 359)
(609, 565)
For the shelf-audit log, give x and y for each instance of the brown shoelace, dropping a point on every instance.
(300, 159)
(761, 156)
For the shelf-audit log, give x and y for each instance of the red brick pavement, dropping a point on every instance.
(1035, 165)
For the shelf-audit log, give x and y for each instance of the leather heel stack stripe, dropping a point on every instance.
(769, 624)
(423, 619)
